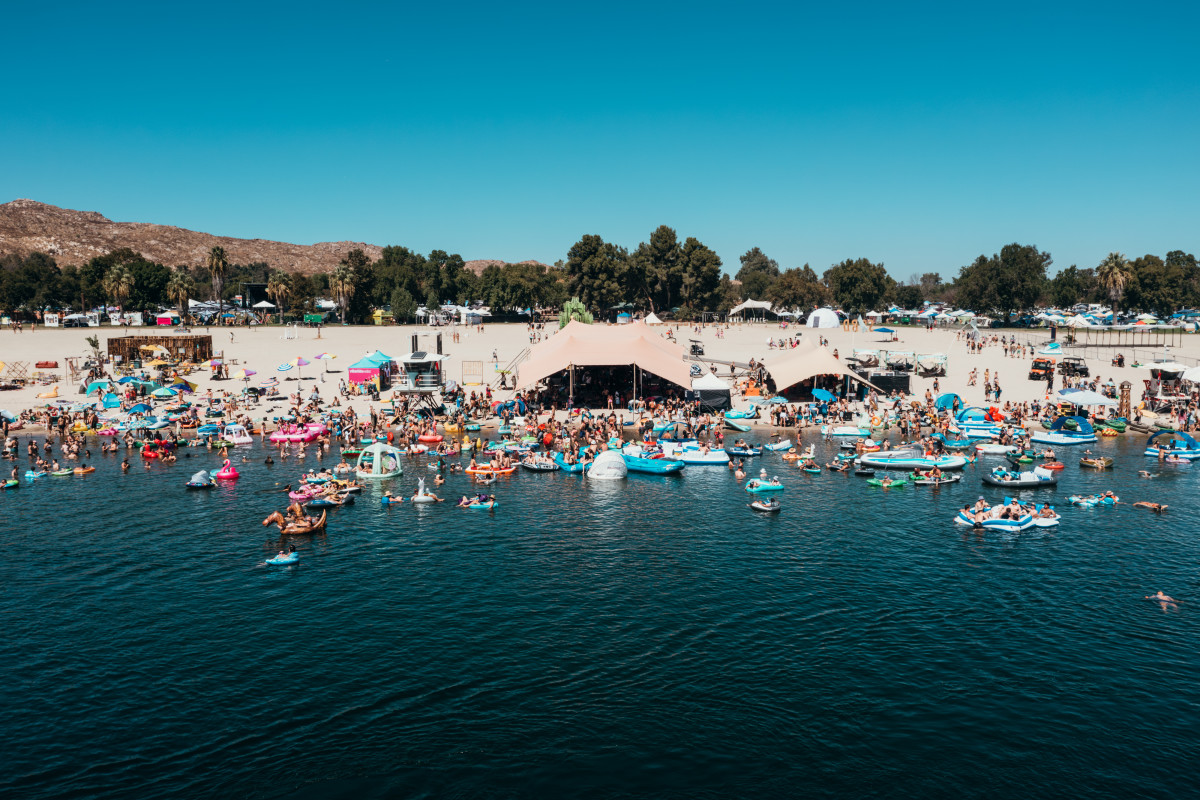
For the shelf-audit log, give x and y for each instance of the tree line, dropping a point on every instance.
(663, 275)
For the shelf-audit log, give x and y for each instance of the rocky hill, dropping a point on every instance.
(74, 237)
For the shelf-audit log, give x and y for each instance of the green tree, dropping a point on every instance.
(279, 288)
(908, 297)
(179, 289)
(218, 265)
(404, 305)
(729, 294)
(1067, 288)
(118, 284)
(661, 262)
(701, 275)
(596, 272)
(800, 289)
(858, 285)
(1114, 274)
(342, 284)
(757, 273)
(1012, 280)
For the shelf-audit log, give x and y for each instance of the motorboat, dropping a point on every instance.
(237, 434)
(691, 453)
(1037, 478)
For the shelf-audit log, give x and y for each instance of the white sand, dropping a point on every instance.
(264, 349)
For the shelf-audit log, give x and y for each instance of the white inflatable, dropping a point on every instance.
(609, 465)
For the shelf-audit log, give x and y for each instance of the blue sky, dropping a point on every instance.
(920, 135)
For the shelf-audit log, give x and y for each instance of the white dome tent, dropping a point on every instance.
(823, 318)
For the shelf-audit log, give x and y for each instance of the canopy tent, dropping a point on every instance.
(823, 318)
(653, 319)
(1084, 397)
(264, 304)
(807, 361)
(712, 392)
(754, 305)
(581, 345)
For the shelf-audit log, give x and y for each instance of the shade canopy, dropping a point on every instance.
(1084, 397)
(264, 304)
(807, 361)
(584, 345)
(652, 319)
(760, 305)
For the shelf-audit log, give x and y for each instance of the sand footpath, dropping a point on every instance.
(264, 349)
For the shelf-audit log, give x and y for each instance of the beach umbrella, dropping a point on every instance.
(213, 363)
(822, 394)
(158, 362)
(2, 365)
(245, 374)
(283, 367)
(299, 361)
(325, 357)
(8, 415)
(164, 392)
(183, 385)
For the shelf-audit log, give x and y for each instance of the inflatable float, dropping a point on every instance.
(767, 506)
(757, 486)
(228, 472)
(289, 558)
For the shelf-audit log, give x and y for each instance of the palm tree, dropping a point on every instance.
(279, 286)
(118, 284)
(342, 283)
(179, 289)
(1114, 273)
(217, 265)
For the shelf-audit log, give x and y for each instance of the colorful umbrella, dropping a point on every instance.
(164, 392)
(299, 361)
(283, 368)
(245, 374)
(158, 362)
(214, 362)
(324, 356)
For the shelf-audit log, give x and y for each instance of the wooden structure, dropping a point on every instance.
(1124, 405)
(183, 348)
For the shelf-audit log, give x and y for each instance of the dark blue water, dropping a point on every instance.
(652, 637)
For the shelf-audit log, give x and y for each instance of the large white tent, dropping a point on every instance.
(757, 305)
(652, 319)
(823, 318)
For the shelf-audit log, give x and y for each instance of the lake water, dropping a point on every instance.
(652, 637)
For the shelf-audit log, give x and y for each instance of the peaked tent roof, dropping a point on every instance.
(807, 361)
(711, 382)
(604, 346)
(765, 305)
(653, 319)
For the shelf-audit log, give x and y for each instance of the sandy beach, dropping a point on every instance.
(264, 349)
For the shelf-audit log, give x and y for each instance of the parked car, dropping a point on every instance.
(1074, 366)
(1041, 368)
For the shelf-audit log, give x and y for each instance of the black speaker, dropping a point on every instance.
(439, 344)
(414, 347)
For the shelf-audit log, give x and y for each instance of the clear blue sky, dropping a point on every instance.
(919, 135)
